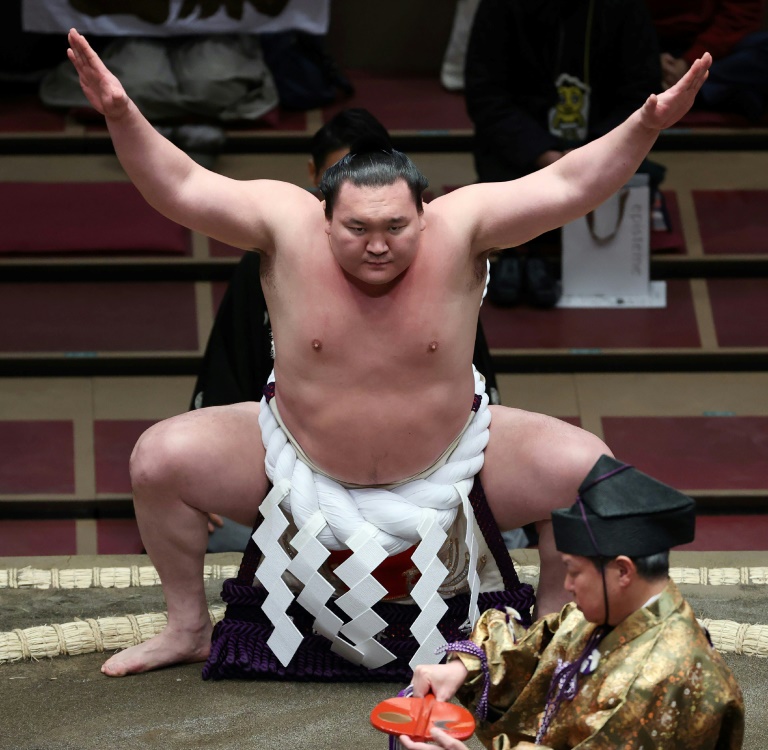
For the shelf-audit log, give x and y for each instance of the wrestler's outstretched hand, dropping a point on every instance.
(439, 739)
(103, 90)
(441, 679)
(664, 110)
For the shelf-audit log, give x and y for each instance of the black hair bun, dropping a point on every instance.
(369, 143)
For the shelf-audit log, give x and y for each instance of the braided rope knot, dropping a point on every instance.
(374, 523)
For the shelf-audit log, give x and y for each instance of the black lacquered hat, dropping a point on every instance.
(621, 511)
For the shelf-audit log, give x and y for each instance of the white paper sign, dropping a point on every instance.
(175, 17)
(606, 255)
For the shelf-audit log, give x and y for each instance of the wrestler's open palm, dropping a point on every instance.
(103, 90)
(664, 110)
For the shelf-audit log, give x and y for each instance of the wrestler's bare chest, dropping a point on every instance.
(374, 386)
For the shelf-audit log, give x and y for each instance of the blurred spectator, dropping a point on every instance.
(306, 76)
(544, 77)
(452, 70)
(221, 78)
(187, 86)
(191, 86)
(731, 31)
(25, 57)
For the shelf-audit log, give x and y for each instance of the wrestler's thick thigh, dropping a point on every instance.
(212, 459)
(533, 464)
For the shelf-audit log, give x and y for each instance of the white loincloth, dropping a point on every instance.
(372, 522)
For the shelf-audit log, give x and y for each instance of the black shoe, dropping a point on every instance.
(541, 287)
(506, 279)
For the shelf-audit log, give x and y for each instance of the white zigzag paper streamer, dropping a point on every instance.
(364, 592)
(286, 637)
(470, 539)
(317, 591)
(425, 592)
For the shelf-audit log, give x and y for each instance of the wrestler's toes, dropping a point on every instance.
(116, 668)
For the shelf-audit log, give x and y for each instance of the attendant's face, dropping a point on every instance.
(316, 172)
(374, 232)
(584, 582)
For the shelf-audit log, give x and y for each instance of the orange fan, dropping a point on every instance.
(415, 717)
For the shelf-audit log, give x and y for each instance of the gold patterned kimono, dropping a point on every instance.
(658, 683)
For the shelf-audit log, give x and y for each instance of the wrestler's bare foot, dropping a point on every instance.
(167, 648)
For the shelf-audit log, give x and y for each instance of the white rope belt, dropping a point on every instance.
(372, 522)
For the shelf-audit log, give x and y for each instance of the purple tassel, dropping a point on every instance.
(467, 647)
(564, 685)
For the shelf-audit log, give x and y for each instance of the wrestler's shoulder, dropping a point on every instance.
(283, 194)
(463, 195)
(458, 207)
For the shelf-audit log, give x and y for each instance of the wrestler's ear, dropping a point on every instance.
(422, 222)
(312, 170)
(327, 219)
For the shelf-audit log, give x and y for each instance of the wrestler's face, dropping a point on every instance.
(585, 583)
(374, 232)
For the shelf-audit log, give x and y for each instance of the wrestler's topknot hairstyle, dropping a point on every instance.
(371, 163)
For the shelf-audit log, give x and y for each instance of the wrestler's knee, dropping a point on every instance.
(163, 453)
(576, 453)
(584, 452)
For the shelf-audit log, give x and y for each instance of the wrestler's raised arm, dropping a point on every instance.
(505, 214)
(245, 214)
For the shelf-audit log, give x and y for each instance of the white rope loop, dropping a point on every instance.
(396, 513)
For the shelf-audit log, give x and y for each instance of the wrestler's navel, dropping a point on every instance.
(432, 347)
(317, 345)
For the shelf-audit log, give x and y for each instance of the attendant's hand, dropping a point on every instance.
(664, 110)
(672, 70)
(441, 679)
(440, 739)
(214, 522)
(103, 90)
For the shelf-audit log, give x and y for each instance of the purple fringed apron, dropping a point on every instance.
(239, 642)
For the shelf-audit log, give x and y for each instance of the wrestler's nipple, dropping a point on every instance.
(317, 345)
(432, 346)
